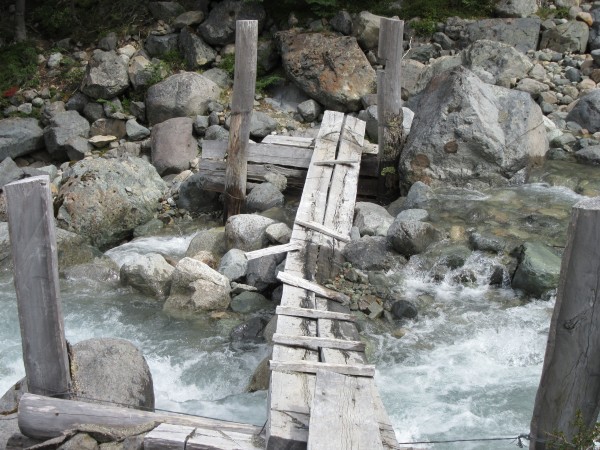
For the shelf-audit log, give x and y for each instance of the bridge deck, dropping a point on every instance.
(322, 393)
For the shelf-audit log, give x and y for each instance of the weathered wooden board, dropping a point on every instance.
(168, 437)
(358, 370)
(34, 253)
(177, 437)
(570, 381)
(46, 417)
(314, 313)
(342, 415)
(273, 250)
(388, 436)
(293, 280)
(324, 230)
(294, 141)
(283, 155)
(315, 343)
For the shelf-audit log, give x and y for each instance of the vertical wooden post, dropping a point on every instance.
(242, 102)
(570, 380)
(389, 107)
(33, 244)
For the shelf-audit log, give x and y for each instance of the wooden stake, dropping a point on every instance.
(242, 102)
(389, 107)
(570, 382)
(33, 242)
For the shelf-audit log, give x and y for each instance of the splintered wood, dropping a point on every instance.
(316, 338)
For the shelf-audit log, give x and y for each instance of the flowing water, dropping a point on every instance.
(467, 368)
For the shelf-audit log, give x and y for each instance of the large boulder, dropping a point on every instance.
(234, 264)
(195, 287)
(219, 26)
(586, 111)
(160, 45)
(516, 8)
(141, 71)
(538, 270)
(173, 145)
(523, 34)
(166, 11)
(329, 68)
(594, 38)
(106, 75)
(20, 136)
(185, 94)
(105, 199)
(501, 61)
(212, 241)
(247, 232)
(371, 253)
(194, 196)
(371, 219)
(262, 272)
(410, 237)
(366, 30)
(467, 132)
(571, 36)
(264, 196)
(64, 126)
(112, 371)
(196, 52)
(261, 124)
(150, 274)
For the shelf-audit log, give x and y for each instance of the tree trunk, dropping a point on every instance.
(20, 32)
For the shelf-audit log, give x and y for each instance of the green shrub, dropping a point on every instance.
(582, 440)
(19, 66)
(227, 64)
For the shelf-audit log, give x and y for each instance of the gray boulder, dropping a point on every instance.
(216, 133)
(523, 34)
(331, 69)
(77, 102)
(371, 253)
(342, 22)
(516, 8)
(411, 237)
(188, 19)
(112, 371)
(219, 26)
(212, 241)
(109, 127)
(150, 274)
(105, 76)
(195, 287)
(502, 61)
(370, 116)
(160, 45)
(594, 38)
(589, 155)
(185, 94)
(49, 110)
(309, 110)
(538, 270)
(403, 309)
(135, 131)
(417, 197)
(9, 171)
(108, 42)
(141, 71)
(262, 272)
(77, 148)
(261, 124)
(279, 233)
(586, 111)
(196, 52)
(366, 30)
(233, 264)
(371, 219)
(249, 302)
(571, 36)
(469, 132)
(104, 200)
(247, 232)
(19, 136)
(194, 197)
(276, 179)
(264, 196)
(173, 145)
(165, 10)
(63, 126)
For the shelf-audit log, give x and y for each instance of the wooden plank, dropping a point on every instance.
(256, 172)
(324, 230)
(263, 153)
(223, 440)
(313, 287)
(359, 370)
(294, 141)
(314, 314)
(388, 436)
(46, 417)
(317, 342)
(570, 381)
(242, 102)
(342, 415)
(273, 250)
(168, 437)
(34, 252)
(333, 162)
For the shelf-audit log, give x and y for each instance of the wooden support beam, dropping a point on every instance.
(389, 107)
(323, 230)
(314, 314)
(273, 250)
(357, 370)
(342, 415)
(570, 381)
(178, 437)
(294, 141)
(45, 417)
(282, 155)
(34, 252)
(333, 162)
(242, 103)
(313, 287)
(314, 343)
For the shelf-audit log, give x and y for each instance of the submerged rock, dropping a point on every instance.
(410, 237)
(149, 274)
(538, 270)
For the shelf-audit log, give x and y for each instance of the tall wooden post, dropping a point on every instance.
(242, 102)
(34, 252)
(570, 380)
(389, 107)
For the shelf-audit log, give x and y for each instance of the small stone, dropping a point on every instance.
(101, 141)
(54, 60)
(276, 179)
(25, 108)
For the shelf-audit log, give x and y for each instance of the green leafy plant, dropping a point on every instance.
(583, 438)
(227, 64)
(266, 81)
(19, 67)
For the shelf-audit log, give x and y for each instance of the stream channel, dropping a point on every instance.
(467, 368)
